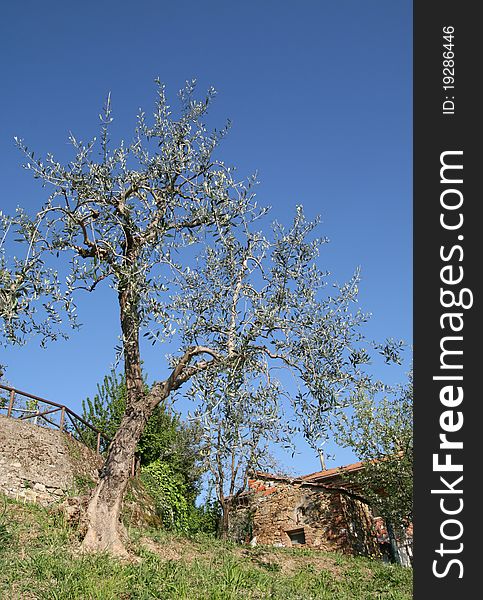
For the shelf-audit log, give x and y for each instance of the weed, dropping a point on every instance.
(83, 484)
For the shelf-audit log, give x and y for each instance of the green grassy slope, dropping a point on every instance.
(40, 559)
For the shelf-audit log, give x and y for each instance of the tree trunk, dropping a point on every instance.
(225, 519)
(393, 544)
(105, 531)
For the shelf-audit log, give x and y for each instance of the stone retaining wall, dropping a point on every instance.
(42, 465)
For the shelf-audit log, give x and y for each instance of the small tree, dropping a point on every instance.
(128, 218)
(381, 434)
(105, 410)
(257, 299)
(239, 418)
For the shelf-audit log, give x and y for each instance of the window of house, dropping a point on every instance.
(297, 536)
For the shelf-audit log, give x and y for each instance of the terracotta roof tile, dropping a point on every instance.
(330, 473)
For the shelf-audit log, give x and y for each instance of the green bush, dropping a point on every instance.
(168, 490)
(205, 518)
(169, 494)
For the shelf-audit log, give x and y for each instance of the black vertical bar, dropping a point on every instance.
(447, 233)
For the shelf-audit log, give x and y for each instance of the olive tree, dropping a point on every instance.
(240, 418)
(118, 218)
(259, 300)
(128, 215)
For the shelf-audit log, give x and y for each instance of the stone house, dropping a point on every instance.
(320, 510)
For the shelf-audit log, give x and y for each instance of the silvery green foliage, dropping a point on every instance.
(249, 305)
(261, 303)
(25, 281)
(240, 417)
(117, 214)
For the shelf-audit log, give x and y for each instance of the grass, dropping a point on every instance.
(39, 559)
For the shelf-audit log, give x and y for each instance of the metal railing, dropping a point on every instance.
(25, 406)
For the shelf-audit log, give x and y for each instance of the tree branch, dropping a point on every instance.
(182, 372)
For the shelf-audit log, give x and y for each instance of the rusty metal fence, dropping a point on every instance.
(27, 407)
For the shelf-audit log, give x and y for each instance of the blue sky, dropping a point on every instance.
(320, 97)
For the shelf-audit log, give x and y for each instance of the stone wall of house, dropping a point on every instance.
(42, 465)
(282, 512)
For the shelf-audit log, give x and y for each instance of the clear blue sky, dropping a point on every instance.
(320, 96)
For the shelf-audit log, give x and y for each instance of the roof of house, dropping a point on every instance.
(329, 478)
(333, 473)
(319, 476)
